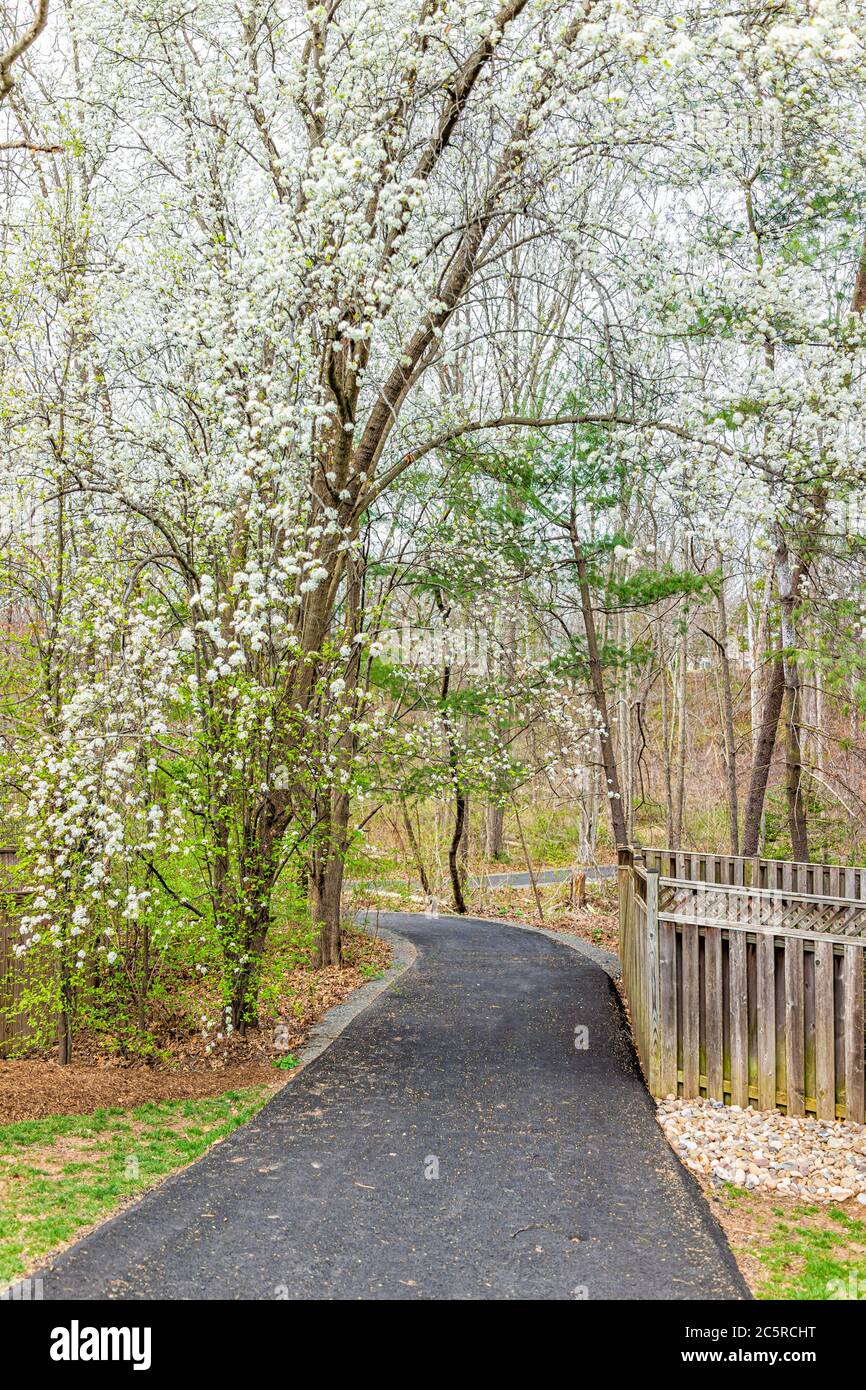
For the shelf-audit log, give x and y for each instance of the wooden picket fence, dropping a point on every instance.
(745, 979)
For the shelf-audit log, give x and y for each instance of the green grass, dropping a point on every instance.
(804, 1252)
(64, 1173)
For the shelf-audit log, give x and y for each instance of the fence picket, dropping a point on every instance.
(794, 1026)
(668, 1008)
(691, 1012)
(739, 1024)
(766, 1014)
(825, 1048)
(713, 1003)
(852, 976)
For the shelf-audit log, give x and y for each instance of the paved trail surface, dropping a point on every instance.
(553, 1176)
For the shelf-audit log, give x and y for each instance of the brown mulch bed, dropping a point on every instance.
(37, 1086)
(30, 1090)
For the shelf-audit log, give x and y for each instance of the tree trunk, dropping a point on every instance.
(760, 646)
(494, 831)
(667, 738)
(326, 877)
(464, 841)
(454, 853)
(793, 696)
(415, 847)
(64, 1037)
(789, 584)
(763, 757)
(728, 713)
(326, 887)
(820, 715)
(244, 1000)
(682, 693)
(797, 820)
(596, 674)
(66, 1010)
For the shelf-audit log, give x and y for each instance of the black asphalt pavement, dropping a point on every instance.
(453, 1142)
(510, 879)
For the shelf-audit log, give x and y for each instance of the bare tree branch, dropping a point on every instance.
(20, 46)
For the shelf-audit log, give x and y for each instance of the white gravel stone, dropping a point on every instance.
(824, 1160)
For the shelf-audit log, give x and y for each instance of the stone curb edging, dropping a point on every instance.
(337, 1019)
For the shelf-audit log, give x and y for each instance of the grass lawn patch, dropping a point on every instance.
(63, 1174)
(794, 1250)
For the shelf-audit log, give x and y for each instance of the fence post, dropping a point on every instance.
(623, 878)
(653, 983)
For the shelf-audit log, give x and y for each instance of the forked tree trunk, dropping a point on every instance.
(794, 791)
(763, 757)
(247, 980)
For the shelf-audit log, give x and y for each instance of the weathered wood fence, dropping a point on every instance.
(745, 979)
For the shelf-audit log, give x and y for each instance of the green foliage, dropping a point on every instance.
(642, 587)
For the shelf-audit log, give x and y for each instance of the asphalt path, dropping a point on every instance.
(480, 1131)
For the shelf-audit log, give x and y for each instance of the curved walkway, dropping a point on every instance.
(451, 1143)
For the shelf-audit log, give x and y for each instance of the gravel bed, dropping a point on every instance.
(815, 1160)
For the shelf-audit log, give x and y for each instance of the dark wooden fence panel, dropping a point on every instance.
(745, 979)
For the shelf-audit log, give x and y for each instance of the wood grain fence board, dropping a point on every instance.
(781, 1052)
(739, 1023)
(765, 1006)
(752, 1014)
(794, 1027)
(691, 1013)
(713, 995)
(668, 1009)
(756, 930)
(825, 1069)
(852, 988)
(838, 1030)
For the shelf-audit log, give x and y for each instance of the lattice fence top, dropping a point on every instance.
(760, 909)
(780, 875)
